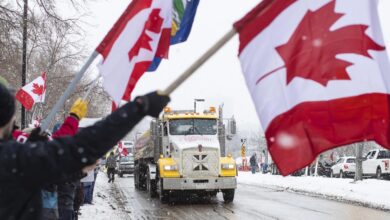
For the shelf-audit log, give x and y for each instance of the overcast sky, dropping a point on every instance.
(220, 80)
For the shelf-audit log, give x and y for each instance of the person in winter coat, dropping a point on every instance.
(78, 200)
(66, 189)
(87, 185)
(50, 210)
(96, 172)
(111, 166)
(253, 163)
(26, 168)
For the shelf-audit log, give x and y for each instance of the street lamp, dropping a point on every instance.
(24, 59)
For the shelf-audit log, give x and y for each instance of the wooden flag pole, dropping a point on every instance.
(68, 91)
(206, 56)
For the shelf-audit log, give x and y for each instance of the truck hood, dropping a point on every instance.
(190, 141)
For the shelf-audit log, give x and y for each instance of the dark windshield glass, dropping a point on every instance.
(350, 160)
(193, 127)
(384, 155)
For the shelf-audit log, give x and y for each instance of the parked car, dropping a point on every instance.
(376, 163)
(344, 167)
(324, 168)
(126, 165)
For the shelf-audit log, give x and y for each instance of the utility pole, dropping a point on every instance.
(359, 161)
(24, 58)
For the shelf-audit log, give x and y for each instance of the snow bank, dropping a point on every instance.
(369, 192)
(104, 205)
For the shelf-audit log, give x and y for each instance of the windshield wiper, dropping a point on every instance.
(197, 130)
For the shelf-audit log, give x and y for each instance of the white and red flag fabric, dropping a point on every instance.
(32, 93)
(319, 76)
(123, 151)
(140, 34)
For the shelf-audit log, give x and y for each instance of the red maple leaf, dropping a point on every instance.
(154, 24)
(311, 51)
(38, 89)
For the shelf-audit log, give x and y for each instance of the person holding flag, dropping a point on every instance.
(26, 168)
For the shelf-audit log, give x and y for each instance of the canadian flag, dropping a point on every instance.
(32, 93)
(123, 151)
(141, 33)
(318, 73)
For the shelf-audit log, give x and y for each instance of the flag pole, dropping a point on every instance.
(68, 91)
(206, 56)
(94, 83)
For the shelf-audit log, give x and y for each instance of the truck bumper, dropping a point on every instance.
(200, 184)
(126, 170)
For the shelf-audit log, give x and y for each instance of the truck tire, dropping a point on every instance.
(228, 195)
(136, 177)
(151, 187)
(164, 194)
(213, 194)
(378, 174)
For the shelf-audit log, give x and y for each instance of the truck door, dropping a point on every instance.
(370, 163)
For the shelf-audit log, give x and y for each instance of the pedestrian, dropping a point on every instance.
(111, 166)
(253, 163)
(96, 171)
(78, 200)
(26, 168)
(87, 185)
(53, 204)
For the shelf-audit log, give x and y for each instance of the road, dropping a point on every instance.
(251, 202)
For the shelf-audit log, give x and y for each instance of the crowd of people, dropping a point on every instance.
(41, 174)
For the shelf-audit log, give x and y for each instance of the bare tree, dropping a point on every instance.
(55, 45)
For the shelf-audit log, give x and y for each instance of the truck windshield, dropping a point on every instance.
(193, 127)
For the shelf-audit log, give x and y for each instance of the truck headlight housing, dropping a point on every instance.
(171, 167)
(228, 166)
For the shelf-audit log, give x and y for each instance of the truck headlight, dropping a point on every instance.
(171, 167)
(228, 166)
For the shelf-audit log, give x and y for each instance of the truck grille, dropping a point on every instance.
(199, 164)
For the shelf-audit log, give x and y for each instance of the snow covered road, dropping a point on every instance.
(121, 201)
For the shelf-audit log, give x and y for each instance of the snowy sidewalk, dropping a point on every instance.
(105, 205)
(369, 192)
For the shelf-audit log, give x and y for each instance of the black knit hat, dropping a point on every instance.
(7, 105)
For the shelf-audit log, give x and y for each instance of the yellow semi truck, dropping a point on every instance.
(181, 155)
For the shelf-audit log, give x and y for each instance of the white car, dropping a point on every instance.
(344, 167)
(377, 163)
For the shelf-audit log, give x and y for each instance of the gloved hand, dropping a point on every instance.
(37, 135)
(152, 103)
(79, 108)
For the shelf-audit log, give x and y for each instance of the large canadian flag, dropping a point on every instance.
(319, 76)
(141, 33)
(32, 93)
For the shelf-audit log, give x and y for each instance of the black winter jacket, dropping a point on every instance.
(26, 168)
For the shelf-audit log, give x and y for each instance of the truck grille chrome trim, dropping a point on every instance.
(203, 163)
